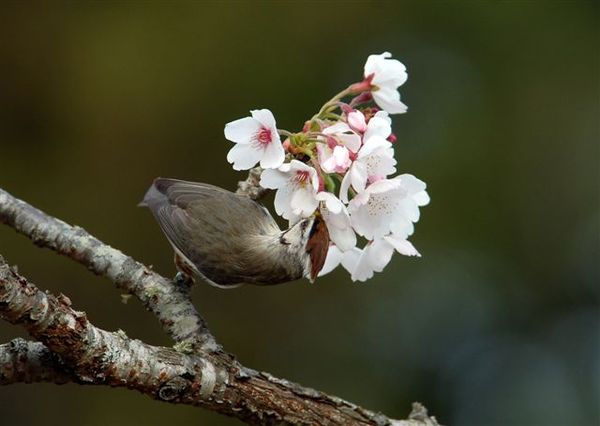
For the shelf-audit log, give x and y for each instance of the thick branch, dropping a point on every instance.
(22, 361)
(213, 380)
(170, 303)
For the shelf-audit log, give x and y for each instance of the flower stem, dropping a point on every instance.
(331, 104)
(283, 132)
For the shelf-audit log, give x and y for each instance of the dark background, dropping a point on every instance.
(497, 323)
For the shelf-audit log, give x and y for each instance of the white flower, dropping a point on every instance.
(336, 160)
(363, 263)
(386, 75)
(297, 185)
(344, 135)
(380, 125)
(335, 256)
(256, 140)
(375, 211)
(375, 161)
(416, 196)
(336, 219)
(377, 254)
(388, 206)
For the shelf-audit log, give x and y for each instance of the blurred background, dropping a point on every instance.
(497, 323)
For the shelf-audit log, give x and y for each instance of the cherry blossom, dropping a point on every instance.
(344, 135)
(336, 160)
(297, 185)
(334, 153)
(335, 257)
(349, 143)
(385, 76)
(375, 161)
(336, 219)
(377, 254)
(257, 140)
(388, 205)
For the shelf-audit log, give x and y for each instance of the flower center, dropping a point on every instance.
(380, 204)
(302, 177)
(263, 136)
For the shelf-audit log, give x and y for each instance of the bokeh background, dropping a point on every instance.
(497, 323)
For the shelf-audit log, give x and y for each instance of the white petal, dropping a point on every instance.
(379, 125)
(374, 143)
(243, 157)
(362, 269)
(411, 183)
(379, 254)
(421, 198)
(332, 261)
(392, 73)
(350, 259)
(338, 127)
(402, 228)
(389, 100)
(374, 61)
(351, 141)
(333, 204)
(344, 238)
(273, 179)
(303, 202)
(273, 155)
(242, 130)
(358, 176)
(345, 186)
(282, 202)
(402, 246)
(264, 117)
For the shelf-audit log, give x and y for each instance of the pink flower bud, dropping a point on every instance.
(356, 120)
(392, 138)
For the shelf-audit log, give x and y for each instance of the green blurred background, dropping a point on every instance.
(497, 323)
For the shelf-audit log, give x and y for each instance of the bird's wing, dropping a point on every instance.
(211, 227)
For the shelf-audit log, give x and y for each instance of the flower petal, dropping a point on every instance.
(265, 117)
(402, 246)
(273, 155)
(389, 99)
(282, 202)
(332, 261)
(243, 157)
(242, 130)
(379, 254)
(351, 258)
(273, 179)
(303, 202)
(344, 238)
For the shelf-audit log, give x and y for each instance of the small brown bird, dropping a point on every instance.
(229, 240)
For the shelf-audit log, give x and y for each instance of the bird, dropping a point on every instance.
(229, 240)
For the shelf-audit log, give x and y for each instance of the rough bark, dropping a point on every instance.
(70, 348)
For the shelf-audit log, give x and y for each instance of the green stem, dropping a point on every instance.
(332, 103)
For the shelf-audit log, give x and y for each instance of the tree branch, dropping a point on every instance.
(94, 356)
(70, 348)
(169, 303)
(251, 186)
(23, 361)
